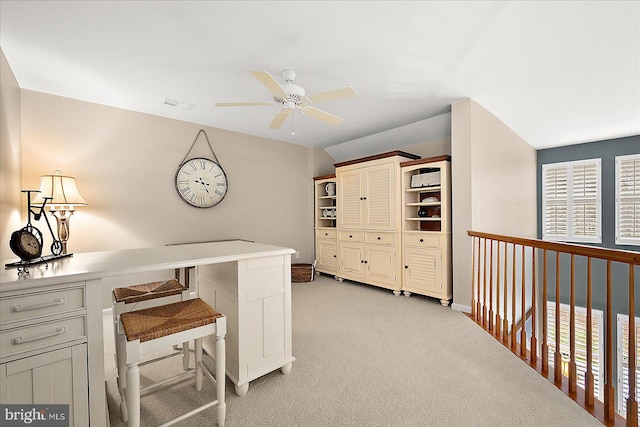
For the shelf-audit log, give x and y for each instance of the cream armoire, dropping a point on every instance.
(368, 228)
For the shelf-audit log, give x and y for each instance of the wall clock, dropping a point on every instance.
(201, 182)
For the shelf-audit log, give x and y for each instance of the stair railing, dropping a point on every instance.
(506, 305)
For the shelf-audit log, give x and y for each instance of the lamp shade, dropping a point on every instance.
(62, 191)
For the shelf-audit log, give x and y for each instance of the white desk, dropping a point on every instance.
(251, 281)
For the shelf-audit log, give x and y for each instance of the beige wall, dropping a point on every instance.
(125, 162)
(10, 196)
(494, 186)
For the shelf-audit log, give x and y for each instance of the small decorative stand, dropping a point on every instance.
(27, 242)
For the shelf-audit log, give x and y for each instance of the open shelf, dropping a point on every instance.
(324, 202)
(423, 189)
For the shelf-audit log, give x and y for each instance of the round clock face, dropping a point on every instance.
(26, 243)
(201, 182)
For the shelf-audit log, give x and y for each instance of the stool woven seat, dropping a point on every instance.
(147, 291)
(156, 322)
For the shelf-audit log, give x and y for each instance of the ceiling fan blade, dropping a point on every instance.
(330, 95)
(279, 119)
(270, 83)
(322, 115)
(241, 104)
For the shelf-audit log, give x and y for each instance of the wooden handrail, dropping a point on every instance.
(490, 310)
(627, 257)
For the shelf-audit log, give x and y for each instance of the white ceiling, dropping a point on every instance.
(556, 72)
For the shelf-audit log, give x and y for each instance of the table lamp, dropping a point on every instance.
(62, 197)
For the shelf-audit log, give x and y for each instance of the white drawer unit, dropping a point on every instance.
(43, 349)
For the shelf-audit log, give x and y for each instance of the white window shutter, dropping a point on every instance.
(585, 200)
(628, 199)
(623, 362)
(555, 221)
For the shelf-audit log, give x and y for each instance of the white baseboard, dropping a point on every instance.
(460, 307)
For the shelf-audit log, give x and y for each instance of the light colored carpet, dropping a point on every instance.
(368, 358)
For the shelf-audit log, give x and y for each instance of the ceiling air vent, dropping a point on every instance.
(177, 104)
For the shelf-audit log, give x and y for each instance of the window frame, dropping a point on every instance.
(633, 241)
(570, 201)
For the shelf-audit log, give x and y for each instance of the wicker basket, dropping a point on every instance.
(302, 273)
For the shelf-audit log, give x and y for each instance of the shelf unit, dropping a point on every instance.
(326, 217)
(426, 229)
(326, 211)
(422, 199)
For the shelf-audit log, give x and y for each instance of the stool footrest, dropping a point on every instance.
(160, 383)
(206, 372)
(190, 413)
(160, 358)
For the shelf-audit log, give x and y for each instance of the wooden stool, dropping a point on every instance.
(136, 297)
(159, 327)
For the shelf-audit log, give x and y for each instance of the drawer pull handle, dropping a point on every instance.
(20, 340)
(379, 238)
(18, 308)
(421, 240)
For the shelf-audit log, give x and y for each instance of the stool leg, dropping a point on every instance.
(185, 355)
(122, 374)
(133, 394)
(220, 380)
(198, 351)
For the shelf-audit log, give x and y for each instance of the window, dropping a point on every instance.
(622, 390)
(571, 203)
(597, 356)
(628, 200)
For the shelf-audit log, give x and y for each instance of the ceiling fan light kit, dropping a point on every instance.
(292, 96)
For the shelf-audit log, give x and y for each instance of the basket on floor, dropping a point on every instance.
(302, 273)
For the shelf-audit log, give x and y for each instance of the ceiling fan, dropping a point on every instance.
(291, 97)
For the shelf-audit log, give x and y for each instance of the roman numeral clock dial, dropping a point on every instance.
(201, 182)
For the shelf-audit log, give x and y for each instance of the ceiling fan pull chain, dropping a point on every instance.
(194, 143)
(292, 127)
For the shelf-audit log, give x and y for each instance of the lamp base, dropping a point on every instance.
(62, 221)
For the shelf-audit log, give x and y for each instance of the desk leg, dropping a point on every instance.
(241, 390)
